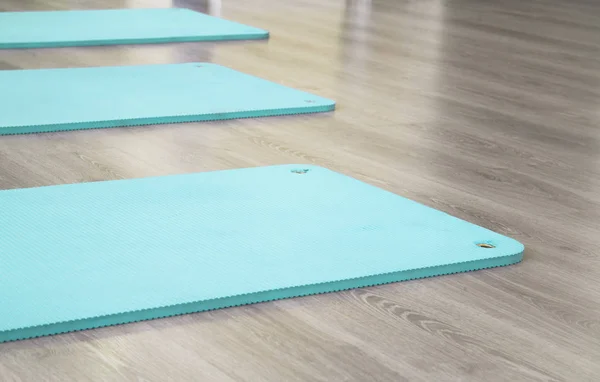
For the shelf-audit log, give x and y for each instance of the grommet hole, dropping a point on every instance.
(300, 171)
(485, 245)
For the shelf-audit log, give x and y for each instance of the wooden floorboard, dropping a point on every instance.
(488, 110)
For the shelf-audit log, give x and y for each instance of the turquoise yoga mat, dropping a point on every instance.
(118, 26)
(45, 100)
(88, 255)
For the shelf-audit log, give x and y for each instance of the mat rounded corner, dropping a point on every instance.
(329, 103)
(519, 253)
(320, 104)
(509, 249)
(262, 33)
(515, 247)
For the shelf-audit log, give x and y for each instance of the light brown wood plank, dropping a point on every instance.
(487, 110)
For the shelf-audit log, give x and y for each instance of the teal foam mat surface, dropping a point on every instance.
(94, 254)
(116, 26)
(45, 100)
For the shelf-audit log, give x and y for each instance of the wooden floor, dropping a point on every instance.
(486, 109)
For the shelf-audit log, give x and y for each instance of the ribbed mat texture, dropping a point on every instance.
(87, 255)
(116, 26)
(45, 100)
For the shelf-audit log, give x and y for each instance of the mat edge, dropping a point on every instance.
(253, 298)
(35, 129)
(253, 33)
(258, 35)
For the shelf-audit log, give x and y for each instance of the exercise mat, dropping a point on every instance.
(45, 100)
(95, 254)
(117, 26)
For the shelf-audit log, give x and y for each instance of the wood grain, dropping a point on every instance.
(487, 110)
